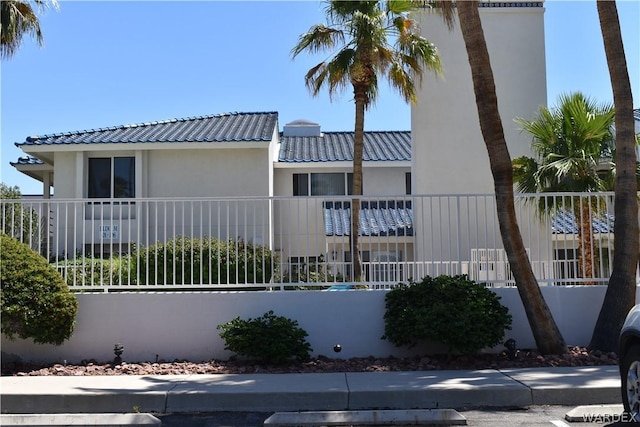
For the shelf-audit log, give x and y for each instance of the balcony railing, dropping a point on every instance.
(303, 242)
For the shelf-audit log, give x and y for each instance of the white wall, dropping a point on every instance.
(64, 175)
(183, 325)
(449, 154)
(208, 173)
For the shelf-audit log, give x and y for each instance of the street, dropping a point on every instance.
(536, 416)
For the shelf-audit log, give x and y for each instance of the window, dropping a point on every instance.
(407, 183)
(300, 184)
(111, 177)
(327, 184)
(322, 184)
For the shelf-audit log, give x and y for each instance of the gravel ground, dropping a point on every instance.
(575, 356)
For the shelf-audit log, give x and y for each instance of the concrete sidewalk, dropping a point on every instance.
(307, 392)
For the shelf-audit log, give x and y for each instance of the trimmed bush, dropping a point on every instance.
(185, 260)
(88, 271)
(454, 311)
(36, 302)
(267, 339)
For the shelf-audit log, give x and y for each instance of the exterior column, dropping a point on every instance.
(46, 185)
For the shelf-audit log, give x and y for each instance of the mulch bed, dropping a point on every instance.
(575, 356)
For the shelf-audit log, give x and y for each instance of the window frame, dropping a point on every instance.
(95, 192)
(307, 178)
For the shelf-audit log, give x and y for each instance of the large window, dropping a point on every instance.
(112, 177)
(322, 184)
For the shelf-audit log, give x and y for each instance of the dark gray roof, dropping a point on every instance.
(636, 114)
(338, 146)
(377, 218)
(28, 160)
(229, 127)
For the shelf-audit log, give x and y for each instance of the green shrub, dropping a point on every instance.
(454, 311)
(36, 302)
(186, 260)
(268, 339)
(88, 271)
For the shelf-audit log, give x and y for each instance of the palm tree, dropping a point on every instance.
(545, 331)
(620, 295)
(18, 18)
(372, 38)
(569, 142)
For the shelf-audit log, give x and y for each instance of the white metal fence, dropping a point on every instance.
(303, 242)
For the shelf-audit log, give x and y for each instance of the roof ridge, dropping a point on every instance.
(145, 124)
(345, 132)
(367, 131)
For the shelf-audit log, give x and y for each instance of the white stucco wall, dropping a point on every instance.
(183, 325)
(449, 155)
(65, 175)
(208, 173)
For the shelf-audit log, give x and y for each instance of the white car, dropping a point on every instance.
(629, 353)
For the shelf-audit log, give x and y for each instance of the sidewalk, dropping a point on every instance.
(306, 392)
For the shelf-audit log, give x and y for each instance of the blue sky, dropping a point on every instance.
(119, 62)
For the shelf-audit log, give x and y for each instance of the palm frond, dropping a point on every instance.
(364, 28)
(402, 82)
(319, 38)
(446, 8)
(17, 19)
(568, 142)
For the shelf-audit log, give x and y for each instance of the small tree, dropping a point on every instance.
(569, 141)
(36, 303)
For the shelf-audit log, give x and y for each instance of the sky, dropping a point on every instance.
(110, 63)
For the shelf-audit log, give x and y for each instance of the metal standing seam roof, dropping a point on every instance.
(230, 127)
(377, 218)
(564, 222)
(338, 146)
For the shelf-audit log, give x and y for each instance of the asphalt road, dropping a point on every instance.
(537, 416)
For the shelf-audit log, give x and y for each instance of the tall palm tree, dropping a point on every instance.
(545, 331)
(367, 39)
(17, 19)
(569, 142)
(620, 295)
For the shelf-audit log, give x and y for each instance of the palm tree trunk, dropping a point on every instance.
(545, 331)
(587, 259)
(621, 292)
(358, 150)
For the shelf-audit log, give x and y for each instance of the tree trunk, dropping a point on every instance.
(621, 292)
(545, 331)
(587, 257)
(358, 150)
